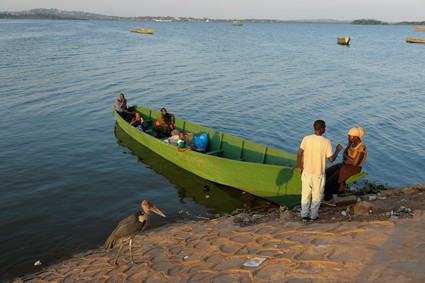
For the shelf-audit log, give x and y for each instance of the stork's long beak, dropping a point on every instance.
(157, 211)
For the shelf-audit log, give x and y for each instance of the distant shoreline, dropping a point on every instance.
(55, 14)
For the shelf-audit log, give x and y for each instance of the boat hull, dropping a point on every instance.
(211, 195)
(278, 183)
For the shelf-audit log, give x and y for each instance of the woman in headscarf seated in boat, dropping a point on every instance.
(352, 162)
(121, 107)
(137, 121)
(164, 124)
(191, 142)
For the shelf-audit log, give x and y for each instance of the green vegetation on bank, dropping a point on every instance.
(368, 22)
(366, 187)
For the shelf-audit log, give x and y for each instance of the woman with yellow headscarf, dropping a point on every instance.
(352, 162)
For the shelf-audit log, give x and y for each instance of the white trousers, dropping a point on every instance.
(311, 194)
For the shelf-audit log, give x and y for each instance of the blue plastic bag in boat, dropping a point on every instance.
(201, 142)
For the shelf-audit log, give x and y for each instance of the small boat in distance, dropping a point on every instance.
(419, 29)
(412, 40)
(343, 40)
(143, 31)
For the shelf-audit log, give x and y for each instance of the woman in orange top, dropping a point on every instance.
(352, 162)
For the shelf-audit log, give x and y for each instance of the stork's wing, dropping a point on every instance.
(125, 230)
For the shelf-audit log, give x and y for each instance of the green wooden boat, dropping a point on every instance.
(259, 170)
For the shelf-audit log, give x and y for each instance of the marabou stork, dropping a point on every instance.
(130, 227)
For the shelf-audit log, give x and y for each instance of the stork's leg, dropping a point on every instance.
(131, 254)
(118, 253)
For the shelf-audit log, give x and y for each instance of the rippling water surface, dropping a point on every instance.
(68, 176)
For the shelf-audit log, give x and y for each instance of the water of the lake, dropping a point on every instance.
(67, 176)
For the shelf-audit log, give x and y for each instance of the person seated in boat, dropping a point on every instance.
(121, 107)
(352, 162)
(174, 137)
(197, 143)
(181, 143)
(137, 121)
(164, 124)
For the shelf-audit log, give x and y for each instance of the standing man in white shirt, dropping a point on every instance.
(315, 149)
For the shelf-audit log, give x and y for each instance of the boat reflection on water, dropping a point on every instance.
(218, 198)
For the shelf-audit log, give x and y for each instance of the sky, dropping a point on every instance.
(383, 10)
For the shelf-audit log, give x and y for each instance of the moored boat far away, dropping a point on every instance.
(143, 31)
(343, 40)
(413, 40)
(420, 29)
(259, 170)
